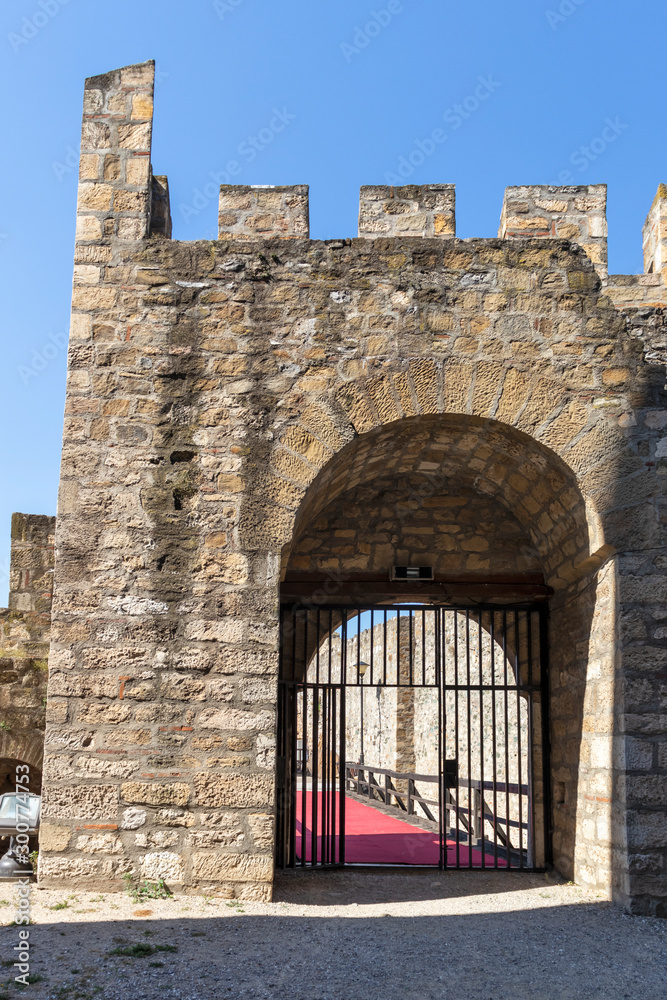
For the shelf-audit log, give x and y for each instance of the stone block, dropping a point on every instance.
(132, 819)
(94, 802)
(252, 212)
(163, 865)
(99, 843)
(147, 793)
(69, 870)
(233, 867)
(570, 213)
(53, 837)
(262, 830)
(646, 830)
(234, 720)
(239, 790)
(411, 210)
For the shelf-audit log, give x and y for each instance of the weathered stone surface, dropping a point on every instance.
(91, 801)
(262, 409)
(233, 867)
(24, 646)
(100, 843)
(53, 837)
(163, 864)
(54, 870)
(234, 790)
(174, 793)
(133, 818)
(262, 829)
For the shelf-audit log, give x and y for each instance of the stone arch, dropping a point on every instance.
(334, 449)
(485, 458)
(567, 417)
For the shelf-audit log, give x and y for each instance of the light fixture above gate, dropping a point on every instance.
(410, 573)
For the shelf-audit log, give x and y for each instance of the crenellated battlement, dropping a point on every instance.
(425, 210)
(577, 213)
(121, 199)
(252, 212)
(115, 176)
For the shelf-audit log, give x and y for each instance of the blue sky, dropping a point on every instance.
(361, 87)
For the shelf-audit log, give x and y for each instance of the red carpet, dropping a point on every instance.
(371, 837)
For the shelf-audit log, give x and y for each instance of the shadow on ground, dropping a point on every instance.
(411, 936)
(364, 885)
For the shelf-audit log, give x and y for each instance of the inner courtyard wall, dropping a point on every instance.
(209, 385)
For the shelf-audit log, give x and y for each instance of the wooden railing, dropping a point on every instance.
(386, 791)
(361, 778)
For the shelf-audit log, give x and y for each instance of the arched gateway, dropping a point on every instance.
(269, 422)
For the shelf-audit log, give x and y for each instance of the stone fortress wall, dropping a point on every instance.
(224, 396)
(24, 648)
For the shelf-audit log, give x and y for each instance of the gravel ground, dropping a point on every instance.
(350, 935)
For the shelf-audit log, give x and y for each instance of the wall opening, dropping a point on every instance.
(501, 521)
(412, 735)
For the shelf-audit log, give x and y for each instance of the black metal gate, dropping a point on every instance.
(469, 772)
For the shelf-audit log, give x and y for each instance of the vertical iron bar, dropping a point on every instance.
(456, 733)
(304, 730)
(507, 745)
(327, 831)
(529, 748)
(546, 731)
(481, 737)
(372, 644)
(292, 774)
(439, 647)
(384, 649)
(424, 648)
(343, 755)
(495, 739)
(471, 824)
(315, 778)
(517, 676)
(292, 791)
(410, 644)
(304, 835)
(280, 791)
(398, 648)
(334, 747)
(325, 691)
(295, 619)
